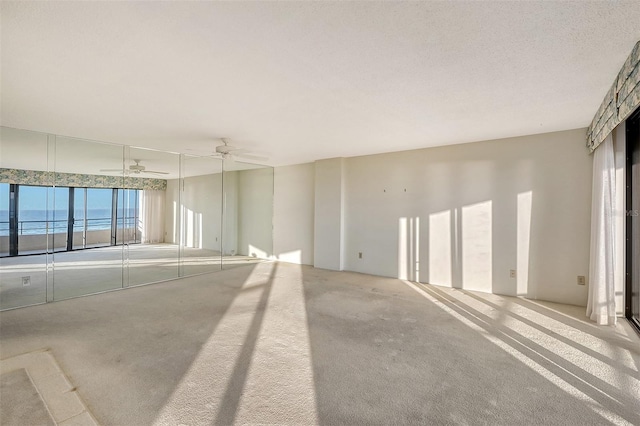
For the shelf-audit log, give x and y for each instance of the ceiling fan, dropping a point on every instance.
(136, 169)
(228, 152)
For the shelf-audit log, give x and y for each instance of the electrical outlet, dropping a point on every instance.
(360, 255)
(26, 281)
(582, 280)
(512, 273)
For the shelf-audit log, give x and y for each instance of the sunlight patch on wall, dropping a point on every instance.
(525, 200)
(192, 230)
(477, 247)
(199, 228)
(409, 248)
(440, 248)
(402, 248)
(294, 256)
(257, 252)
(189, 225)
(175, 223)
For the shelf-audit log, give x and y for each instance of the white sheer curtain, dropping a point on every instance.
(601, 303)
(152, 216)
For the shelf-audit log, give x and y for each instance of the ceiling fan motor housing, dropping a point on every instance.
(223, 149)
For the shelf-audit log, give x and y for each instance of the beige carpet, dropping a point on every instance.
(35, 391)
(20, 402)
(276, 343)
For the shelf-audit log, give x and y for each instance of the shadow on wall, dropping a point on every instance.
(459, 249)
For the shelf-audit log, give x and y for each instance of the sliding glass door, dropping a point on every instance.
(41, 219)
(92, 217)
(34, 223)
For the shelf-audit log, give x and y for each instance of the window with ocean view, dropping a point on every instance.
(99, 217)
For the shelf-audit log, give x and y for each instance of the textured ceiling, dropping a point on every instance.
(301, 81)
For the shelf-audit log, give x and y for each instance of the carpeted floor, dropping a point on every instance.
(278, 343)
(21, 403)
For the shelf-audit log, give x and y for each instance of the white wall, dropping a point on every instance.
(329, 214)
(230, 216)
(460, 216)
(465, 215)
(255, 212)
(293, 207)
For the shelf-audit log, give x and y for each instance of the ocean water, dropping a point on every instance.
(32, 222)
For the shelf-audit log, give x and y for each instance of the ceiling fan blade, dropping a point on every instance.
(153, 172)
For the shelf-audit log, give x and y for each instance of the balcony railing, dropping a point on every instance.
(40, 227)
(40, 236)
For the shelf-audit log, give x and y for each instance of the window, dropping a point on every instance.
(39, 219)
(4, 219)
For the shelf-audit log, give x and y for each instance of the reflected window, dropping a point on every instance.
(128, 216)
(40, 219)
(4, 219)
(92, 217)
(33, 223)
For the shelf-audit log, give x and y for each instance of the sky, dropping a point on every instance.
(4, 196)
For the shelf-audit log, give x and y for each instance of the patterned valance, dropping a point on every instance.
(36, 177)
(621, 100)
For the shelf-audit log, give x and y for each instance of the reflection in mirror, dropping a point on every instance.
(23, 218)
(88, 232)
(197, 209)
(147, 216)
(80, 217)
(248, 213)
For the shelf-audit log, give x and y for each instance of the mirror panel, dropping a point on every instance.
(150, 218)
(88, 250)
(80, 217)
(24, 224)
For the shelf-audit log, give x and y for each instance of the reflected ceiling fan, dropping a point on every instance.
(228, 152)
(136, 169)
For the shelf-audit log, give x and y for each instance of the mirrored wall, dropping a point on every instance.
(80, 217)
